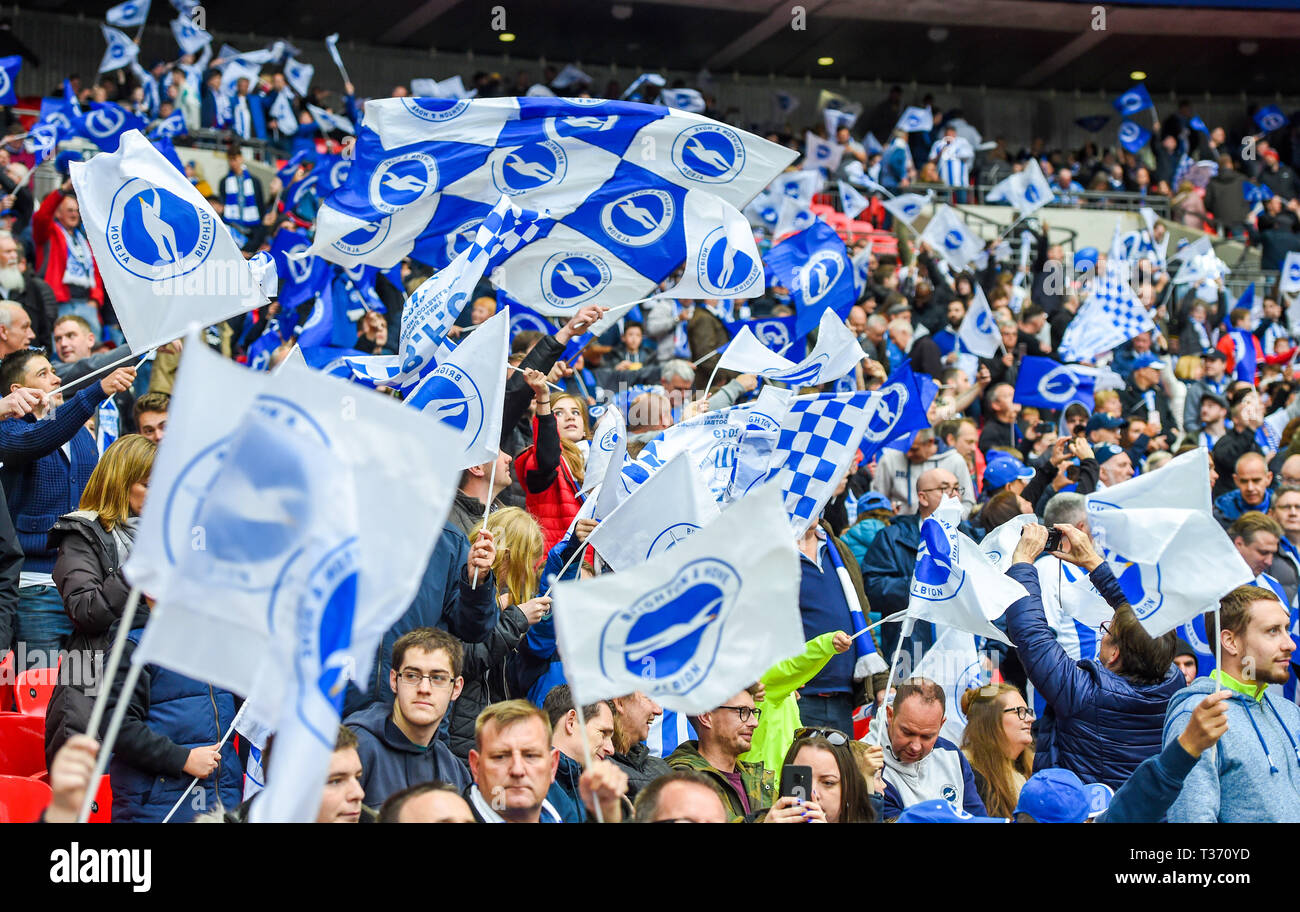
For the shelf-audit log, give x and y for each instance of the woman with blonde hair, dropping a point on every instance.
(517, 572)
(551, 470)
(999, 744)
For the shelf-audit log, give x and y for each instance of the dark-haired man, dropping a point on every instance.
(566, 737)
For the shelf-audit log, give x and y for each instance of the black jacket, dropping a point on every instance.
(516, 431)
(485, 678)
(641, 767)
(1133, 401)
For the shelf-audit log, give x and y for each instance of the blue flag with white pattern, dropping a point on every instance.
(169, 127)
(776, 333)
(1134, 100)
(105, 123)
(682, 99)
(814, 267)
(901, 410)
(1133, 137)
(1049, 384)
(131, 14)
(1270, 118)
(9, 67)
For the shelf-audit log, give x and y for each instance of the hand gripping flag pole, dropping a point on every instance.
(220, 744)
(487, 508)
(903, 634)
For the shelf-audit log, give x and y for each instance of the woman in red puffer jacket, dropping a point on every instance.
(551, 470)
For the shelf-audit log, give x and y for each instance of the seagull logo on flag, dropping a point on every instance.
(161, 233)
(709, 157)
(1058, 384)
(934, 562)
(406, 183)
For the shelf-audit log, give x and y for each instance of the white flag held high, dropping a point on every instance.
(836, 353)
(1290, 280)
(851, 201)
(121, 50)
(801, 185)
(190, 37)
(1171, 557)
(722, 259)
(332, 45)
(298, 75)
(792, 215)
(955, 583)
(466, 392)
(915, 120)
(709, 439)
(907, 206)
(949, 236)
(979, 331)
(131, 14)
(683, 100)
(659, 515)
(820, 153)
(604, 441)
(954, 665)
(1027, 190)
(166, 259)
(695, 624)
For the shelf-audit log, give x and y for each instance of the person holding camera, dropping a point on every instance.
(1104, 716)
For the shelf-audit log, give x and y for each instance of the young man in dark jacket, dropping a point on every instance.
(398, 745)
(633, 715)
(566, 738)
(1105, 715)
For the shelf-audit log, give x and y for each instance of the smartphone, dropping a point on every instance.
(1081, 430)
(796, 782)
(1053, 540)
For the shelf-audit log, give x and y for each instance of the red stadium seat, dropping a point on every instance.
(101, 809)
(22, 800)
(33, 690)
(22, 744)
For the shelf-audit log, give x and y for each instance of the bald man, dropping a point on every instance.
(1252, 483)
(15, 328)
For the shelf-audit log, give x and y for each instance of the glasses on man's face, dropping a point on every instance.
(836, 737)
(1104, 627)
(439, 679)
(943, 489)
(745, 712)
(1023, 713)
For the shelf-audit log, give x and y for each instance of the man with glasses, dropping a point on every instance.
(898, 473)
(747, 789)
(398, 744)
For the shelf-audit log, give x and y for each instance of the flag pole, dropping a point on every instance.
(582, 546)
(904, 633)
(95, 373)
(220, 744)
(558, 389)
(114, 659)
(487, 507)
(586, 751)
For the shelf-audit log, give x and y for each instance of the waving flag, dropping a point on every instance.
(1093, 122)
(949, 236)
(683, 100)
(1270, 118)
(837, 352)
(695, 624)
(979, 331)
(1197, 124)
(451, 87)
(794, 217)
(161, 250)
(1133, 137)
(851, 201)
(954, 583)
(915, 120)
(954, 664)
(332, 45)
(523, 318)
(775, 333)
(131, 14)
(302, 276)
(902, 410)
(1027, 190)
(298, 75)
(281, 111)
(1289, 282)
(835, 119)
(314, 547)
(610, 429)
(190, 37)
(821, 154)
(907, 206)
(105, 124)
(42, 140)
(784, 104)
(814, 266)
(121, 51)
(330, 122)
(660, 514)
(169, 127)
(1134, 100)
(278, 331)
(800, 186)
(9, 67)
(1243, 347)
(1050, 384)
(1110, 316)
(710, 440)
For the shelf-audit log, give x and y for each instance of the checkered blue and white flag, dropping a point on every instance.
(1111, 316)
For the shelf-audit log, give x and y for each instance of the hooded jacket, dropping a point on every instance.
(641, 766)
(1252, 775)
(390, 761)
(943, 773)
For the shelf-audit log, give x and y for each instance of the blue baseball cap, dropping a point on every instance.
(1003, 470)
(1103, 421)
(874, 500)
(1086, 258)
(1146, 359)
(1105, 451)
(1055, 796)
(940, 811)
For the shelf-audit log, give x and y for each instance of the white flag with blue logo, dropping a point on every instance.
(298, 75)
(1289, 282)
(683, 100)
(801, 185)
(907, 206)
(1027, 190)
(660, 514)
(951, 238)
(287, 534)
(955, 583)
(836, 353)
(332, 45)
(710, 440)
(915, 120)
(331, 122)
(121, 50)
(820, 153)
(610, 430)
(1111, 315)
(466, 392)
(834, 119)
(851, 201)
(165, 257)
(44, 134)
(794, 216)
(131, 14)
(954, 664)
(286, 121)
(694, 625)
(189, 36)
(979, 331)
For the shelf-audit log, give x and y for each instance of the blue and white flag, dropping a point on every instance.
(169, 127)
(951, 238)
(820, 154)
(954, 664)
(569, 76)
(775, 333)
(915, 120)
(302, 276)
(105, 124)
(315, 546)
(298, 75)
(1110, 316)
(1046, 383)
(42, 139)
(605, 439)
(131, 14)
(836, 353)
(1243, 347)
(286, 121)
(1134, 100)
(634, 92)
(1197, 124)
(190, 37)
(683, 100)
(834, 119)
(902, 409)
(801, 186)
(1289, 281)
(466, 392)
(1270, 118)
(660, 514)
(851, 201)
(711, 440)
(814, 267)
(121, 51)
(164, 257)
(955, 584)
(451, 87)
(784, 104)
(523, 318)
(9, 67)
(278, 331)
(694, 625)
(1160, 553)
(332, 45)
(108, 424)
(330, 122)
(794, 216)
(1133, 137)
(978, 332)
(1027, 190)
(907, 206)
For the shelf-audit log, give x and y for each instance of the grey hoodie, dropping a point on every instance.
(1253, 774)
